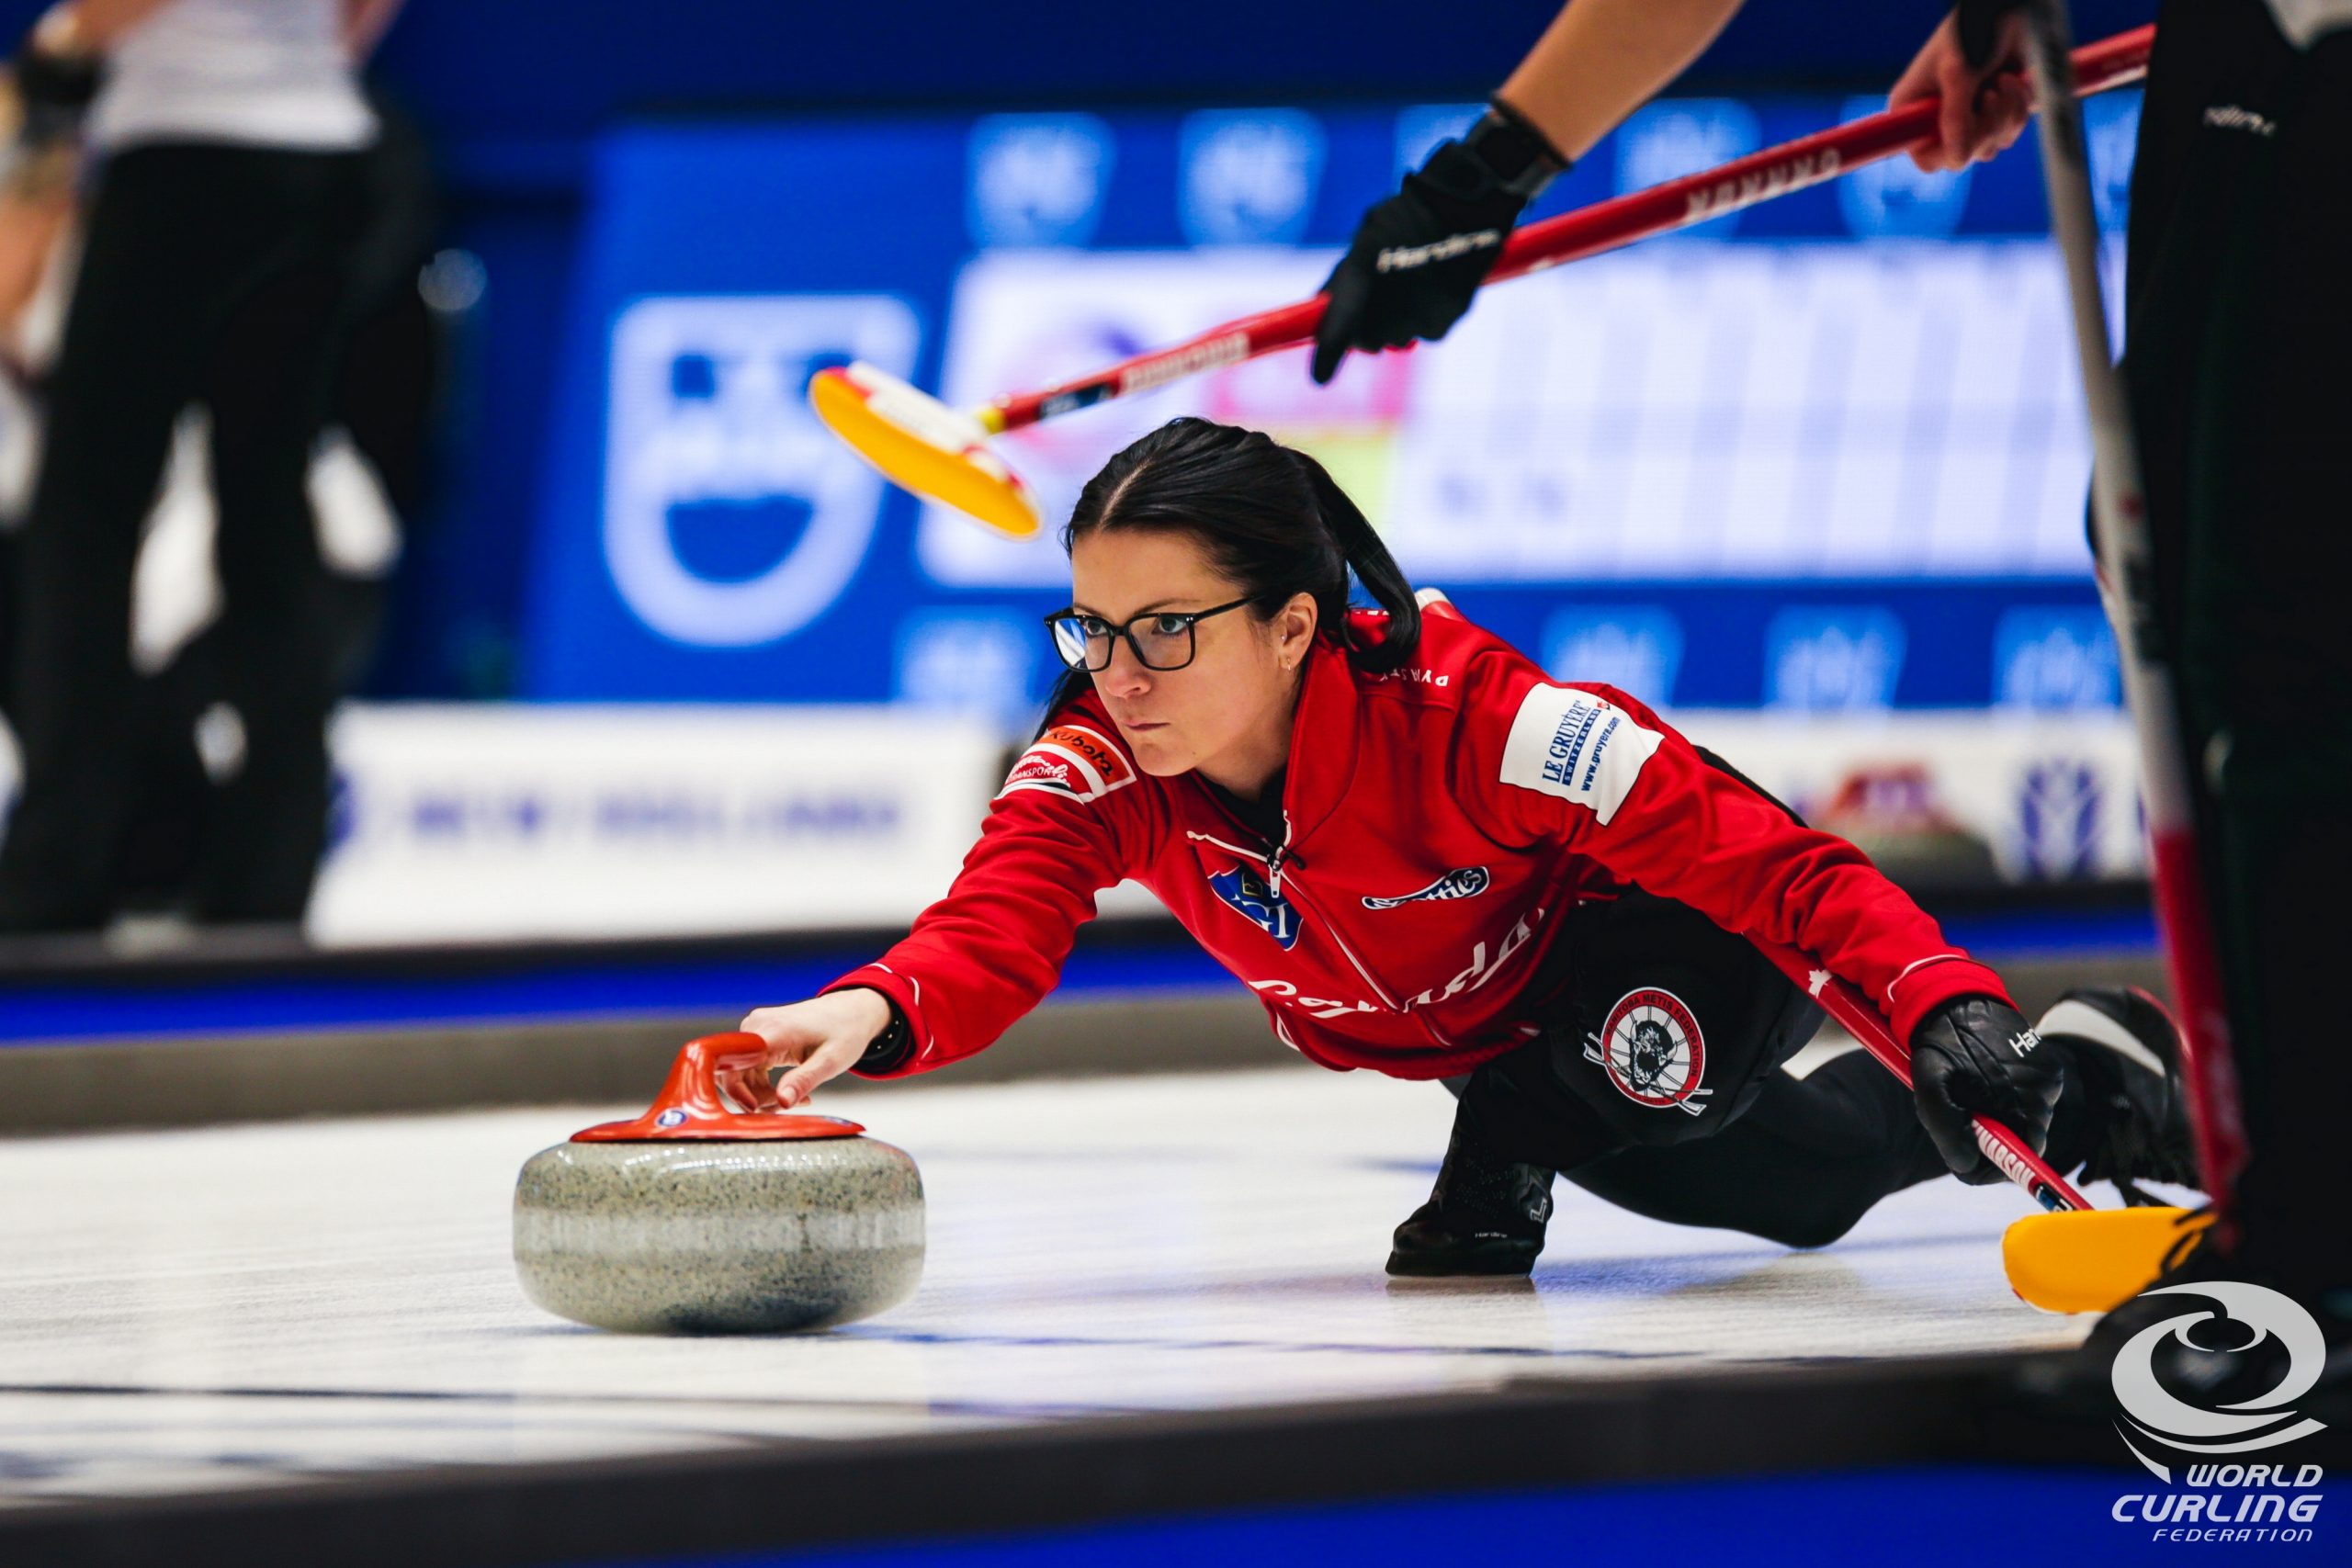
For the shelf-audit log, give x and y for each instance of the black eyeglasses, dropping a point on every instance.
(1162, 639)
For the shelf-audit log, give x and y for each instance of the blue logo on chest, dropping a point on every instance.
(1246, 890)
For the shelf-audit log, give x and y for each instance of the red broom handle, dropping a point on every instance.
(1588, 230)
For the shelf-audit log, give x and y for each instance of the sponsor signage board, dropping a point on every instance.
(499, 822)
(1818, 454)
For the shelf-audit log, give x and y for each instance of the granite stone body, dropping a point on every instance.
(720, 1238)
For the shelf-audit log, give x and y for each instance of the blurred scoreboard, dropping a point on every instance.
(1824, 454)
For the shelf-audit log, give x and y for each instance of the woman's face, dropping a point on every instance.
(1228, 711)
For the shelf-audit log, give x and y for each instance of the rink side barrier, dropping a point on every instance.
(534, 823)
(250, 1029)
(260, 1031)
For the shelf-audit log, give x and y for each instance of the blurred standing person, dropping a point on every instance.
(2237, 327)
(231, 194)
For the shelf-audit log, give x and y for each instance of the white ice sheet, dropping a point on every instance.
(194, 1310)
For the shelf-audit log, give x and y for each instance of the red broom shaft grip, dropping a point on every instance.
(1588, 230)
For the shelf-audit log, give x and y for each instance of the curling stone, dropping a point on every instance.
(695, 1218)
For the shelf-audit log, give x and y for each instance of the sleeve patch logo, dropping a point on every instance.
(1652, 1050)
(1466, 883)
(1071, 760)
(1576, 745)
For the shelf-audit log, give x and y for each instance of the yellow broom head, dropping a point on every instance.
(2094, 1260)
(920, 444)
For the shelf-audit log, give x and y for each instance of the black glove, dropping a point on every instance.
(1974, 1057)
(1418, 257)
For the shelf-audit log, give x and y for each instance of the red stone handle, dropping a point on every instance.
(691, 1105)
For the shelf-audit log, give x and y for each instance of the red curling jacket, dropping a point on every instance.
(1442, 818)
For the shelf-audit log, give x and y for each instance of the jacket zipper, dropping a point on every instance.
(1391, 1003)
(1278, 860)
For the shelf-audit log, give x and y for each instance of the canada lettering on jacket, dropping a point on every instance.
(1320, 1007)
(1480, 970)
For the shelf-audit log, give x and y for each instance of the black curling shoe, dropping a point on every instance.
(1486, 1215)
(2127, 1049)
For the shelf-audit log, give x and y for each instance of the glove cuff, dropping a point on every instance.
(1515, 151)
(1979, 26)
(894, 1051)
(1500, 164)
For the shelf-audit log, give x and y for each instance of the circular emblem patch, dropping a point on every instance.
(1652, 1048)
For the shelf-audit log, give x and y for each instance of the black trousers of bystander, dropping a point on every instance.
(2238, 360)
(214, 274)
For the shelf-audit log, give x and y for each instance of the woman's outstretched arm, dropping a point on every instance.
(1066, 825)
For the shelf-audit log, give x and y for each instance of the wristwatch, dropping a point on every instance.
(890, 1047)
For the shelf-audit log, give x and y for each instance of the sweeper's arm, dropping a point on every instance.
(91, 26)
(1419, 258)
(1065, 825)
(1601, 59)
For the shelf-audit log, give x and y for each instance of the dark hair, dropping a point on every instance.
(1269, 517)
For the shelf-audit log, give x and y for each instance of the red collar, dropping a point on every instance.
(1323, 733)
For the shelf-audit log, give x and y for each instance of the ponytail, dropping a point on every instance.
(1362, 549)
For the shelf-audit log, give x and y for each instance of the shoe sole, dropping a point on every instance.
(2081, 1020)
(1502, 1257)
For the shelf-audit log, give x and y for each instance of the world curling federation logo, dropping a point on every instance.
(2232, 1500)
(1653, 1051)
(2262, 1421)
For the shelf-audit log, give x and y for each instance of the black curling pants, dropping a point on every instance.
(1657, 1084)
(213, 274)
